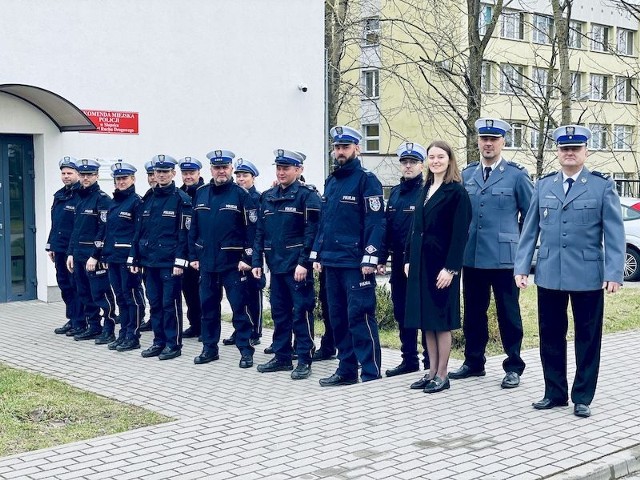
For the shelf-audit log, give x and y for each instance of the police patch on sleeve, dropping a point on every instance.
(103, 216)
(187, 222)
(375, 204)
(253, 215)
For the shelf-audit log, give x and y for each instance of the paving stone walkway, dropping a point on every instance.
(241, 424)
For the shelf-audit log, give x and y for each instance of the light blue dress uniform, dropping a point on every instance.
(582, 245)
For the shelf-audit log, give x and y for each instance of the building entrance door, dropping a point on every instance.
(17, 219)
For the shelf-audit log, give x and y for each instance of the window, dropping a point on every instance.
(513, 138)
(575, 34)
(511, 78)
(540, 86)
(372, 31)
(576, 86)
(512, 25)
(371, 83)
(622, 135)
(371, 138)
(535, 137)
(542, 29)
(623, 89)
(598, 139)
(599, 87)
(625, 42)
(599, 38)
(485, 77)
(486, 12)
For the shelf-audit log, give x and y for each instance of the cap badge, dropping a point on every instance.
(571, 130)
(339, 130)
(161, 158)
(218, 153)
(85, 161)
(409, 146)
(490, 123)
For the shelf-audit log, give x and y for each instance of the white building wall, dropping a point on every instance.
(203, 75)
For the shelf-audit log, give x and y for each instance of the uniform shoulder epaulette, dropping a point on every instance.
(470, 165)
(547, 175)
(517, 165)
(600, 174)
(309, 186)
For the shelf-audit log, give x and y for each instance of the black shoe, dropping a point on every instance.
(336, 380)
(63, 329)
(465, 372)
(169, 353)
(254, 341)
(74, 331)
(191, 333)
(321, 355)
(302, 371)
(105, 338)
(420, 384)
(547, 403)
(126, 345)
(246, 361)
(152, 351)
(401, 369)
(114, 345)
(87, 334)
(145, 326)
(205, 357)
(274, 365)
(510, 380)
(581, 410)
(230, 341)
(269, 350)
(437, 385)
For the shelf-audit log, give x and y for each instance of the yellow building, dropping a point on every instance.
(406, 72)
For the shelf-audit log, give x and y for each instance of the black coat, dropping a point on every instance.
(437, 240)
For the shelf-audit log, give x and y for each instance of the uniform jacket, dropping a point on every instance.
(573, 231)
(121, 225)
(191, 189)
(351, 227)
(223, 227)
(437, 240)
(87, 238)
(399, 215)
(62, 214)
(499, 207)
(287, 225)
(162, 229)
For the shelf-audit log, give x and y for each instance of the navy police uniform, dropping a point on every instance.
(222, 234)
(399, 217)
(499, 205)
(87, 241)
(62, 216)
(126, 285)
(582, 245)
(191, 277)
(349, 237)
(159, 246)
(287, 226)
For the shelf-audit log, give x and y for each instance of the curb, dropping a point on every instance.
(609, 467)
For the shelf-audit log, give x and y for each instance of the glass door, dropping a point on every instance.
(17, 219)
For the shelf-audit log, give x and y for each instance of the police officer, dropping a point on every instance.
(576, 215)
(287, 226)
(62, 214)
(84, 255)
(399, 216)
(191, 181)
(500, 193)
(126, 285)
(246, 173)
(220, 247)
(347, 247)
(145, 326)
(160, 247)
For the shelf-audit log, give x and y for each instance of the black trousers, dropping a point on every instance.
(477, 285)
(588, 311)
(327, 342)
(408, 336)
(191, 292)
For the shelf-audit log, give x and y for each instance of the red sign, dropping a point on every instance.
(108, 121)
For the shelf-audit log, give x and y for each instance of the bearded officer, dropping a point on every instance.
(347, 247)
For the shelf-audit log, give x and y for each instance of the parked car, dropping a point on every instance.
(631, 217)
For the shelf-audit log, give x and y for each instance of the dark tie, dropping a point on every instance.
(487, 172)
(570, 183)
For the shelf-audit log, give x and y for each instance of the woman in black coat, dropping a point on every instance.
(433, 260)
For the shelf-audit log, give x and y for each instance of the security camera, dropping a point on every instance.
(303, 87)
